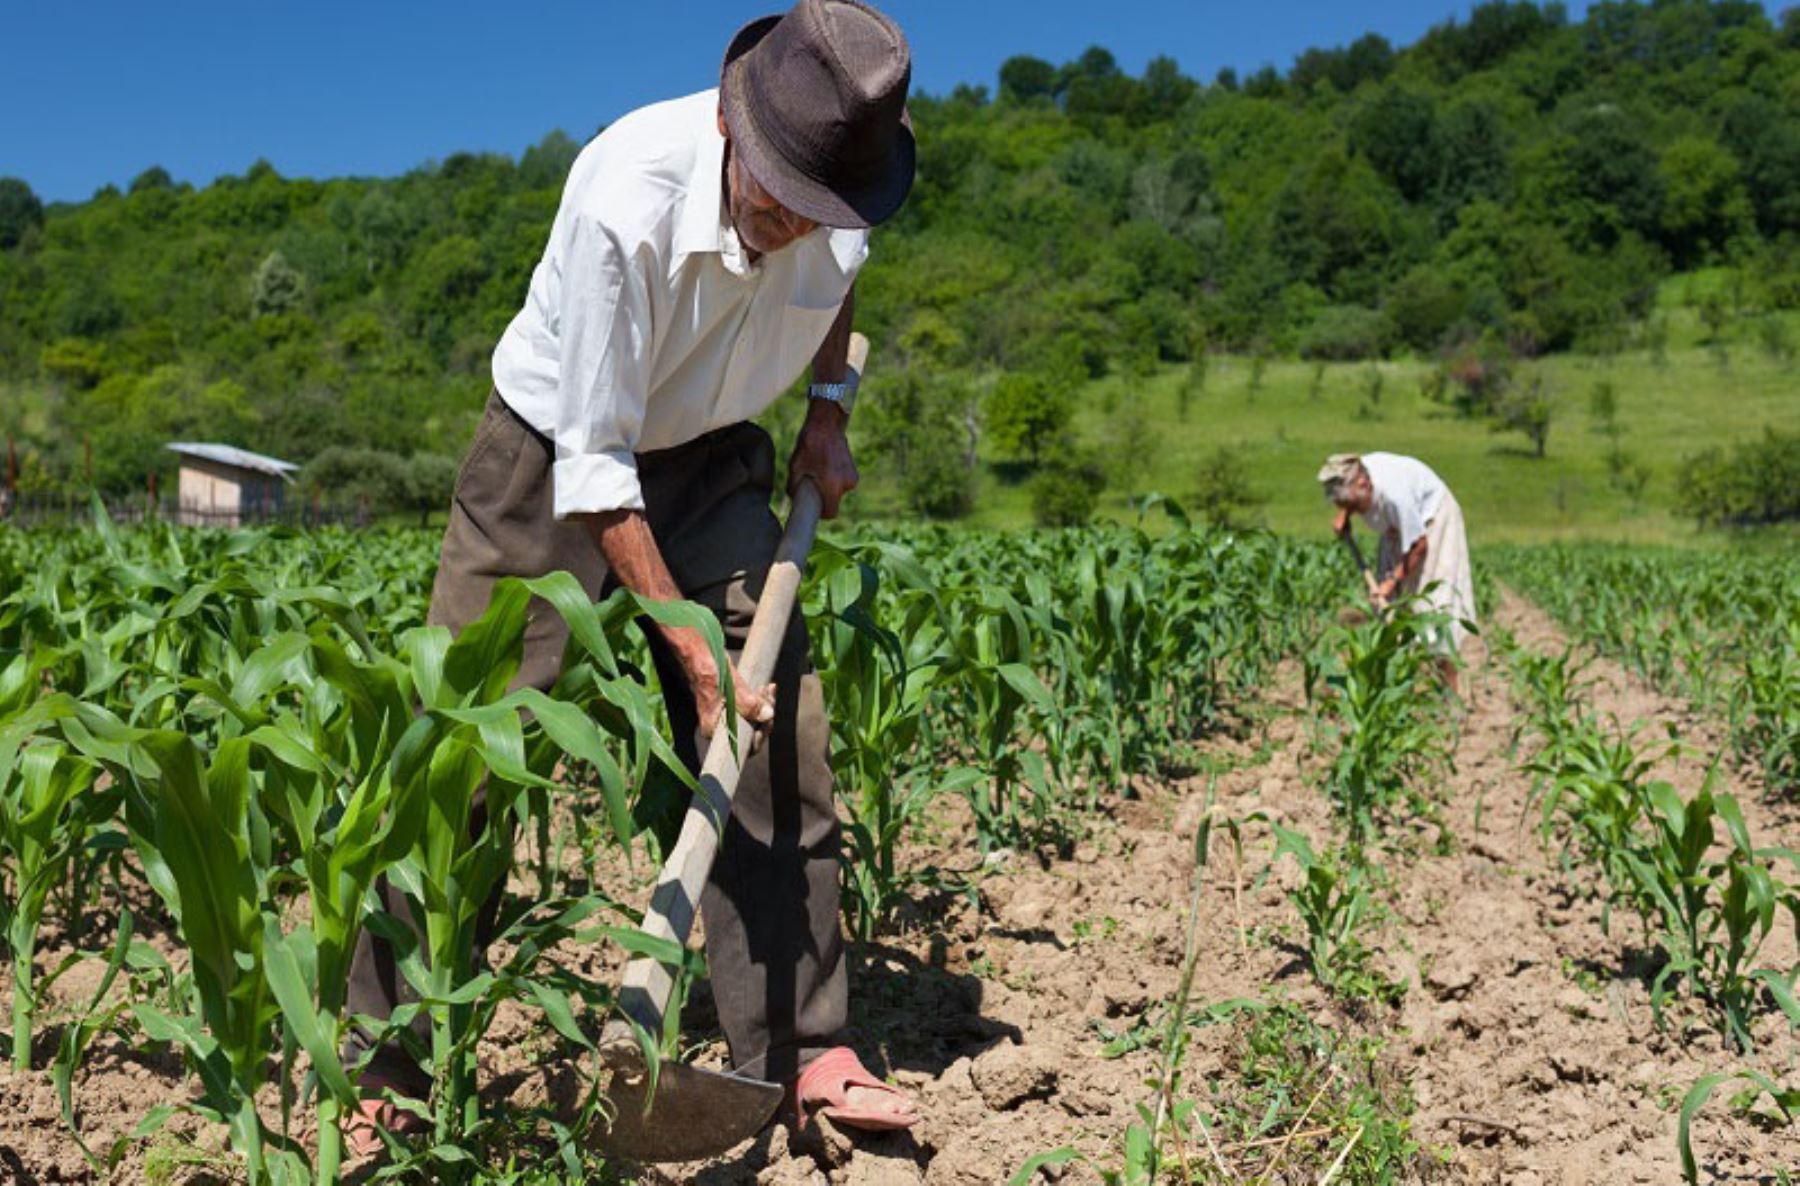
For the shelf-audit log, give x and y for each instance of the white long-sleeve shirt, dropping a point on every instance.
(646, 325)
(1407, 495)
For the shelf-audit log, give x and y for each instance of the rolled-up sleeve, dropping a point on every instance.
(604, 374)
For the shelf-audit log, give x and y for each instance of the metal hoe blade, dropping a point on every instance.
(694, 1114)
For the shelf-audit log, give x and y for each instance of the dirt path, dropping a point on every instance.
(1527, 1044)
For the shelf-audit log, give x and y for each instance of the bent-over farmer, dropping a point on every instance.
(1420, 525)
(704, 251)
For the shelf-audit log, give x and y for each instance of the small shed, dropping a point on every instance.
(224, 486)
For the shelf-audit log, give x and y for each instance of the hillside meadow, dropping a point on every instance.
(1668, 410)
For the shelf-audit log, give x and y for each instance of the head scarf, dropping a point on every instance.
(1337, 472)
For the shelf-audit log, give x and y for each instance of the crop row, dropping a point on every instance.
(1684, 867)
(1722, 629)
(238, 734)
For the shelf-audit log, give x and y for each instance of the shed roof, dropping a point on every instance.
(234, 456)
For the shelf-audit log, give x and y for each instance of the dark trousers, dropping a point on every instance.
(774, 948)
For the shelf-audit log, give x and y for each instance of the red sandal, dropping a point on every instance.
(825, 1085)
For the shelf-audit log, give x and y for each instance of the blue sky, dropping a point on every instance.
(95, 92)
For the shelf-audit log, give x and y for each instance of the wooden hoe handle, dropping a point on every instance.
(647, 986)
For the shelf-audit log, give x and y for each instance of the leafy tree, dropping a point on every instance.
(1473, 153)
(1397, 132)
(1526, 408)
(276, 288)
(1344, 332)
(1024, 413)
(916, 427)
(1754, 483)
(1024, 79)
(20, 211)
(1066, 493)
(546, 164)
(1422, 306)
(1224, 493)
(1704, 204)
(154, 178)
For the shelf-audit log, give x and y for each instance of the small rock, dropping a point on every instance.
(957, 1079)
(1576, 1065)
(1029, 907)
(1452, 977)
(1574, 1002)
(867, 1169)
(1008, 1075)
(825, 1143)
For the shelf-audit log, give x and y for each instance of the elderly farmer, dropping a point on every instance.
(1421, 529)
(705, 250)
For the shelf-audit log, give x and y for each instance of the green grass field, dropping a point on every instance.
(1667, 410)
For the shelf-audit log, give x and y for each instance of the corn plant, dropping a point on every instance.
(1713, 914)
(878, 681)
(47, 806)
(1722, 630)
(1381, 719)
(1336, 902)
(1765, 709)
(1707, 914)
(1757, 1085)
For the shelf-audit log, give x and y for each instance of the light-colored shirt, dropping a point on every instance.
(646, 325)
(1407, 495)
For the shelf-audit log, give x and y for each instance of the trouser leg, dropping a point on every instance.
(501, 524)
(774, 947)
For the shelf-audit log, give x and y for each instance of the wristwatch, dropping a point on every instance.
(842, 394)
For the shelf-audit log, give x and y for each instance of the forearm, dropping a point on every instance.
(831, 362)
(1412, 561)
(634, 559)
(822, 451)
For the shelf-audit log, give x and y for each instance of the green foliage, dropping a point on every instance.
(1785, 1099)
(1065, 492)
(1755, 482)
(276, 288)
(1024, 413)
(918, 427)
(378, 480)
(1224, 493)
(1346, 333)
(1335, 900)
(1380, 712)
(20, 211)
(1515, 173)
(1528, 408)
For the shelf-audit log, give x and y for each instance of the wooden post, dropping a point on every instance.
(150, 507)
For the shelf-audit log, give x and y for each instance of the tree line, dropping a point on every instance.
(1514, 181)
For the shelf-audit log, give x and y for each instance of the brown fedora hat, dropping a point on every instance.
(815, 100)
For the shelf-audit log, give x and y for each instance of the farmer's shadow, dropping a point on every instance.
(916, 1015)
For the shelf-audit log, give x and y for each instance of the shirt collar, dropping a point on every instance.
(704, 226)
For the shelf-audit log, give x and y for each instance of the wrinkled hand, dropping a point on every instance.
(756, 705)
(1383, 593)
(823, 454)
(1340, 525)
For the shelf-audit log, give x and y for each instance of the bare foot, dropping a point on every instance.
(838, 1086)
(888, 1101)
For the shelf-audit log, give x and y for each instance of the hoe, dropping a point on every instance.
(684, 1113)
